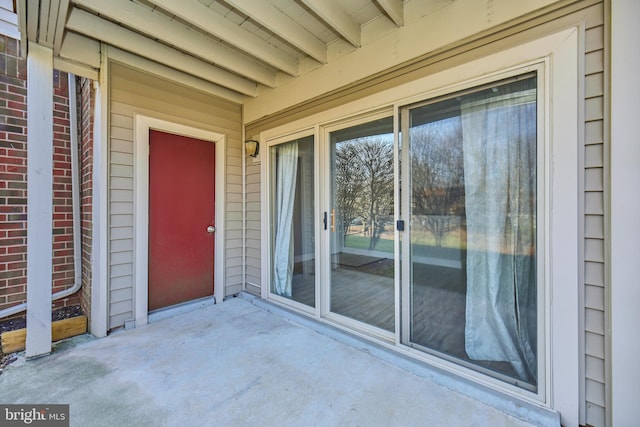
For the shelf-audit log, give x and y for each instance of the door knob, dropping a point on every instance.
(211, 229)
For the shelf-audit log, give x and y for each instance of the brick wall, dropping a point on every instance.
(13, 182)
(13, 174)
(85, 118)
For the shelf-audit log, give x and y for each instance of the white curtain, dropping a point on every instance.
(287, 167)
(499, 142)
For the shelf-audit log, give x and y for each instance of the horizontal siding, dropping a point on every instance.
(594, 229)
(8, 20)
(121, 219)
(133, 93)
(596, 414)
(253, 255)
(595, 368)
(121, 295)
(121, 257)
(595, 343)
(594, 226)
(594, 297)
(121, 283)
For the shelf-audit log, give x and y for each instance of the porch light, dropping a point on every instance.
(252, 147)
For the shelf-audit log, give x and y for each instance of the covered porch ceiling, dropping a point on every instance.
(235, 48)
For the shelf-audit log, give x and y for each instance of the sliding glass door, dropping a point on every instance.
(430, 238)
(361, 223)
(292, 228)
(472, 287)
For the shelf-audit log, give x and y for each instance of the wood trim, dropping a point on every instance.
(13, 341)
(39, 198)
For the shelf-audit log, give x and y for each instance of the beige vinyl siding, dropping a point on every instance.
(8, 20)
(121, 220)
(253, 227)
(594, 228)
(133, 92)
(234, 212)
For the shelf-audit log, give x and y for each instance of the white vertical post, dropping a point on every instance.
(99, 278)
(564, 213)
(625, 205)
(39, 199)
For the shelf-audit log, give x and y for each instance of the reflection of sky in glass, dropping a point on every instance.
(387, 138)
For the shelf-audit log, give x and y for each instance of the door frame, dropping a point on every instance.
(142, 125)
(325, 174)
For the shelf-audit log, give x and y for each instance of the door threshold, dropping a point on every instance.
(183, 307)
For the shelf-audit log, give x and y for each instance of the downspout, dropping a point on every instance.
(75, 206)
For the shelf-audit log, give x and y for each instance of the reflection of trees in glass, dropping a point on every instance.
(437, 175)
(350, 183)
(364, 184)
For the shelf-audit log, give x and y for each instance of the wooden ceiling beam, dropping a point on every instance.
(81, 49)
(394, 10)
(33, 17)
(335, 16)
(61, 21)
(199, 15)
(100, 29)
(161, 27)
(284, 27)
(43, 23)
(165, 72)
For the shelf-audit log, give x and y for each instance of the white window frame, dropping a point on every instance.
(561, 53)
(325, 175)
(540, 67)
(266, 217)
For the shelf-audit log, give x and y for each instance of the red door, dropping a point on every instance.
(181, 207)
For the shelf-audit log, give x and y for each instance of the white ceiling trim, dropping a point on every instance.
(75, 68)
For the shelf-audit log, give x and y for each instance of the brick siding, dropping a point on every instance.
(13, 181)
(85, 117)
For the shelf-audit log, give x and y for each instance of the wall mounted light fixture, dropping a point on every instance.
(252, 147)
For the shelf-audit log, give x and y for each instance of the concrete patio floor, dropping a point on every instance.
(238, 364)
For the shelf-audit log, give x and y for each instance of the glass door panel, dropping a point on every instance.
(360, 220)
(473, 225)
(292, 225)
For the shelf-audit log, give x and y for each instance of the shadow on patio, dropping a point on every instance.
(237, 363)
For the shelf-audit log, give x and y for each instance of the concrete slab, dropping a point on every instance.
(235, 364)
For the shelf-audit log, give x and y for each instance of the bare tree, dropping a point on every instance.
(377, 162)
(437, 176)
(349, 184)
(364, 184)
